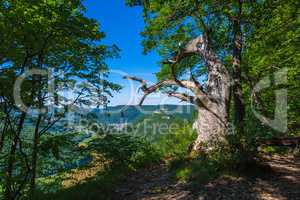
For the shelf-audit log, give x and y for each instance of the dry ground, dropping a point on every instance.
(280, 181)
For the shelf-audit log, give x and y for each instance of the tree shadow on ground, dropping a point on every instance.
(278, 178)
(98, 187)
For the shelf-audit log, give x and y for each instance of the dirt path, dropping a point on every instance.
(280, 182)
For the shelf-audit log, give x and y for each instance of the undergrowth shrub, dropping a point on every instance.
(234, 156)
(175, 144)
(125, 150)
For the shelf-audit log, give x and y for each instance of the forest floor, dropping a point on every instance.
(280, 180)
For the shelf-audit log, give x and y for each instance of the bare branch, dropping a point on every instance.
(196, 46)
(191, 48)
(184, 83)
(143, 98)
(51, 124)
(143, 82)
(148, 90)
(183, 97)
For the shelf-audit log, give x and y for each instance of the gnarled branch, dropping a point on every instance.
(183, 97)
(196, 46)
(153, 88)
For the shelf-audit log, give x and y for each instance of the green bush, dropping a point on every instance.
(175, 145)
(125, 150)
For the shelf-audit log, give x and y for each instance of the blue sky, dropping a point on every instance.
(122, 26)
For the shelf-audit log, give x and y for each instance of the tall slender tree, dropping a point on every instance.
(239, 104)
(48, 37)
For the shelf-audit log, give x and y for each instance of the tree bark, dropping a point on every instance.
(36, 139)
(37, 83)
(211, 129)
(2, 137)
(212, 122)
(239, 106)
(6, 124)
(11, 159)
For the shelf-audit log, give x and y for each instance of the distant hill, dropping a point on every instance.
(117, 115)
(130, 114)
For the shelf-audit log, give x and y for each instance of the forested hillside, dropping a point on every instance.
(149, 99)
(131, 114)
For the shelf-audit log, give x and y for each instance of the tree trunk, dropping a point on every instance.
(212, 122)
(5, 128)
(211, 129)
(36, 139)
(239, 107)
(2, 137)
(11, 159)
(37, 85)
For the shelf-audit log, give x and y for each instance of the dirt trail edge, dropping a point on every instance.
(281, 182)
